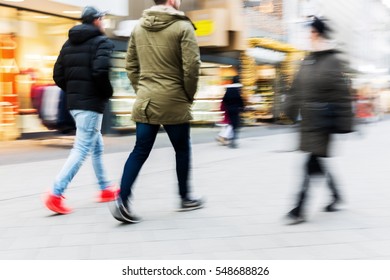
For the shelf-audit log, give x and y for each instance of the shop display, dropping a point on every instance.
(8, 97)
(8, 129)
(263, 83)
(207, 103)
(121, 103)
(121, 108)
(28, 50)
(367, 101)
(264, 92)
(207, 111)
(258, 90)
(8, 70)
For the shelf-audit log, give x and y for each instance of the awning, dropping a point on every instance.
(266, 56)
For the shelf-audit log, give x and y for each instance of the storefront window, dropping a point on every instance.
(29, 46)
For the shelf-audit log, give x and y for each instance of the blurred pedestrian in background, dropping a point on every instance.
(233, 105)
(321, 94)
(226, 132)
(82, 72)
(162, 63)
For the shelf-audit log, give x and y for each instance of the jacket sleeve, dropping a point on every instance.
(59, 73)
(293, 99)
(132, 63)
(191, 61)
(101, 67)
(339, 83)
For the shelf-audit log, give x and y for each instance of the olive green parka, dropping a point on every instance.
(162, 63)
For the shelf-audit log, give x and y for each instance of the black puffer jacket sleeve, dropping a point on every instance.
(59, 73)
(101, 64)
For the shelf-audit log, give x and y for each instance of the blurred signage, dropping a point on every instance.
(204, 27)
(212, 26)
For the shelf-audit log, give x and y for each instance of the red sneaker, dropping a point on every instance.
(108, 194)
(56, 204)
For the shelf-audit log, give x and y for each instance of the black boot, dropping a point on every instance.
(333, 206)
(295, 216)
(336, 199)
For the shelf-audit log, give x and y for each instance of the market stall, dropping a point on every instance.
(266, 75)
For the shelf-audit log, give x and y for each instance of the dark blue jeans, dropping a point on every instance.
(178, 134)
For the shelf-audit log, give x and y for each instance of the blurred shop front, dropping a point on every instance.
(30, 42)
(29, 45)
(372, 96)
(244, 38)
(236, 37)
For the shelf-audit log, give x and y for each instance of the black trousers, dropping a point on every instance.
(313, 166)
(179, 135)
(235, 121)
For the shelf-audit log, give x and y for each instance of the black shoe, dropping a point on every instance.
(333, 206)
(294, 218)
(191, 204)
(122, 213)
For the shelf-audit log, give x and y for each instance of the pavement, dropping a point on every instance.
(248, 191)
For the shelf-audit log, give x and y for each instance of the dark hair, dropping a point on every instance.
(160, 2)
(320, 26)
(236, 79)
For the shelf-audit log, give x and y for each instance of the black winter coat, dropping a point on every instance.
(82, 68)
(320, 79)
(232, 99)
(233, 103)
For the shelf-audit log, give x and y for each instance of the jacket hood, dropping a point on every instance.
(160, 17)
(83, 32)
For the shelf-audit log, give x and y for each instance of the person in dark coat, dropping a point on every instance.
(320, 80)
(233, 105)
(82, 72)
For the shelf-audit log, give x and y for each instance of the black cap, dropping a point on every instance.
(90, 13)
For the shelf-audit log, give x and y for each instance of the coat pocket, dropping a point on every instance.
(140, 110)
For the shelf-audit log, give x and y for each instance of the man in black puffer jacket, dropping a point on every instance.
(82, 71)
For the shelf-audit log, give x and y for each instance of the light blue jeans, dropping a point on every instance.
(88, 140)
